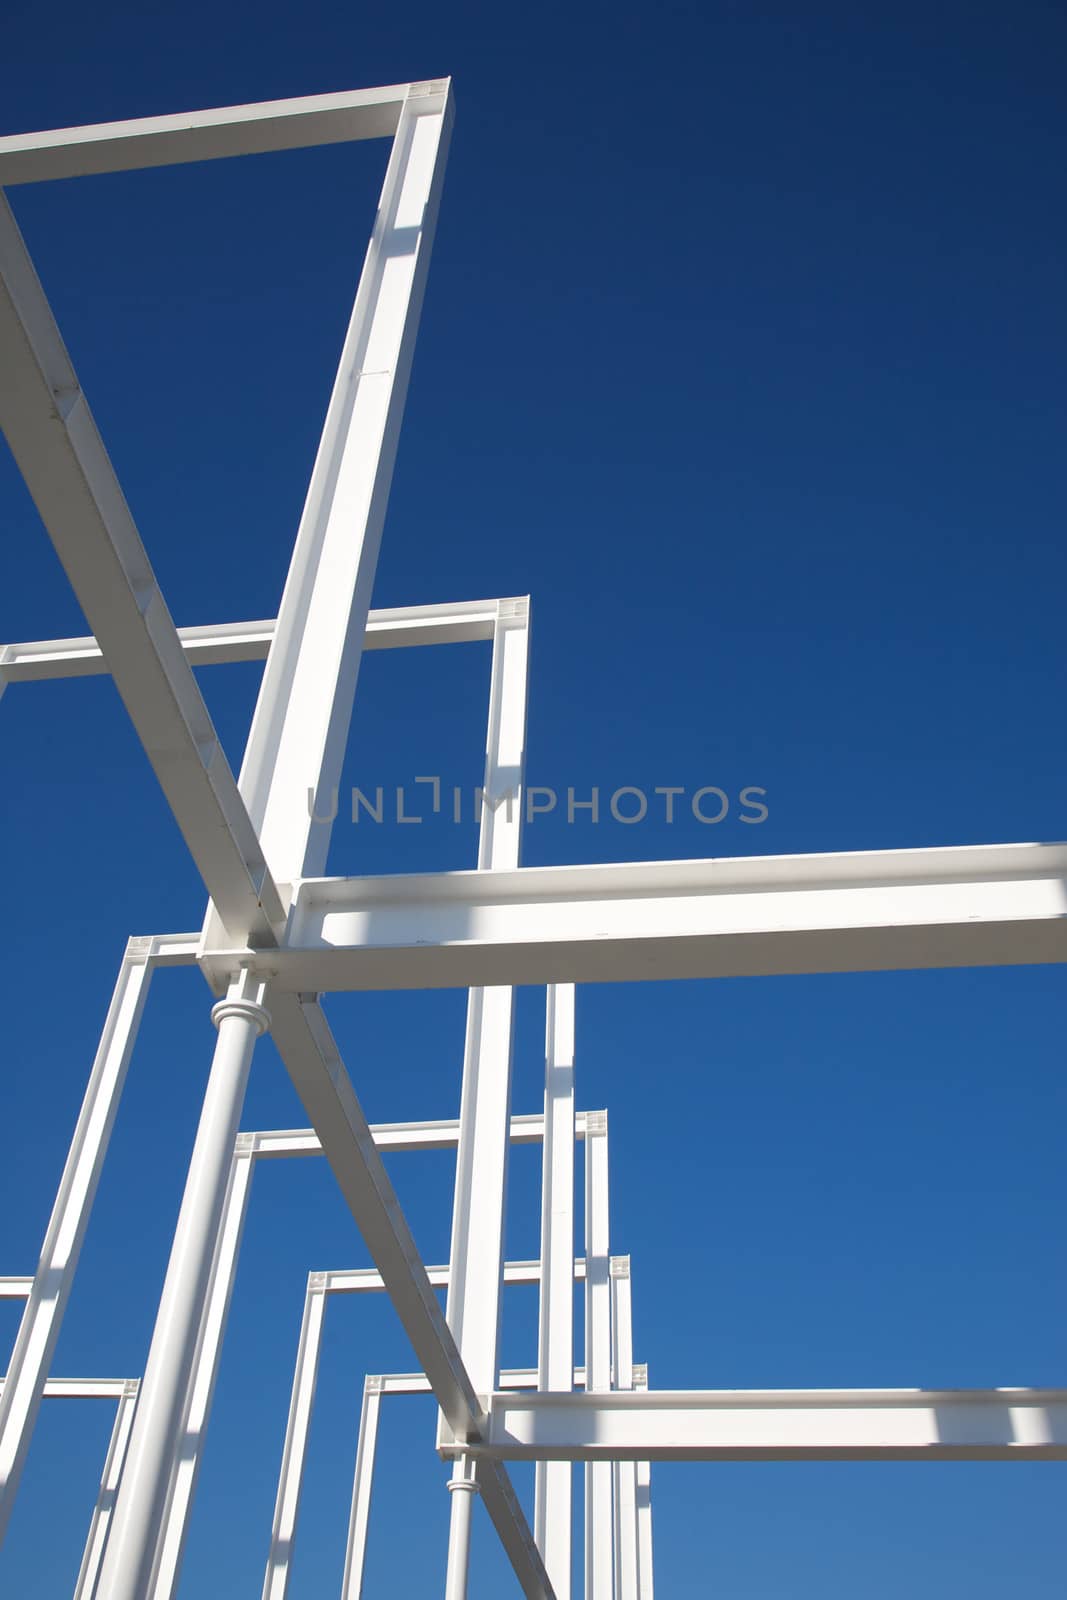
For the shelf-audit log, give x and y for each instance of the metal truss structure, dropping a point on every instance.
(278, 934)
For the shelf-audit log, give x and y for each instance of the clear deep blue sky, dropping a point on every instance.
(743, 354)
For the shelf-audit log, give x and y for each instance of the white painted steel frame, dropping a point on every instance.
(257, 851)
(624, 1473)
(599, 1542)
(250, 1147)
(555, 1356)
(124, 1391)
(320, 1285)
(50, 1287)
(645, 1574)
(476, 1254)
(317, 642)
(88, 1585)
(375, 1388)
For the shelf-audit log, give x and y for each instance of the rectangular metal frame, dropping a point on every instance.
(320, 1286)
(124, 1392)
(49, 1289)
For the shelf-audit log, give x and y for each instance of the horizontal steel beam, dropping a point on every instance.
(214, 644)
(971, 906)
(443, 1135)
(86, 1388)
(417, 1382)
(203, 135)
(365, 1280)
(790, 1425)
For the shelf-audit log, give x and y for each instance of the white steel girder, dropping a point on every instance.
(476, 1254)
(555, 1350)
(972, 905)
(624, 1473)
(203, 135)
(781, 1425)
(599, 1544)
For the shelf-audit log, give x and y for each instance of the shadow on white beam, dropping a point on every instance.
(982, 905)
(788, 1425)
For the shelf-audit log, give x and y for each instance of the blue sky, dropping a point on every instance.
(743, 355)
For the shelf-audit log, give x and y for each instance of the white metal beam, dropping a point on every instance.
(769, 1425)
(87, 1586)
(480, 1200)
(477, 1248)
(203, 135)
(975, 905)
(627, 1571)
(83, 1388)
(432, 1135)
(510, 1378)
(294, 1451)
(645, 1571)
(555, 1357)
(362, 1486)
(599, 1544)
(366, 1280)
(214, 644)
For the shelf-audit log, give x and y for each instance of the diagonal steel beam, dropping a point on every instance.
(50, 429)
(307, 1047)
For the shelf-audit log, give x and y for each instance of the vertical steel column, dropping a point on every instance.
(130, 1558)
(463, 1486)
(625, 1472)
(294, 1451)
(47, 1301)
(362, 1484)
(189, 1447)
(598, 1474)
(555, 1360)
(476, 1262)
(88, 1584)
(645, 1585)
